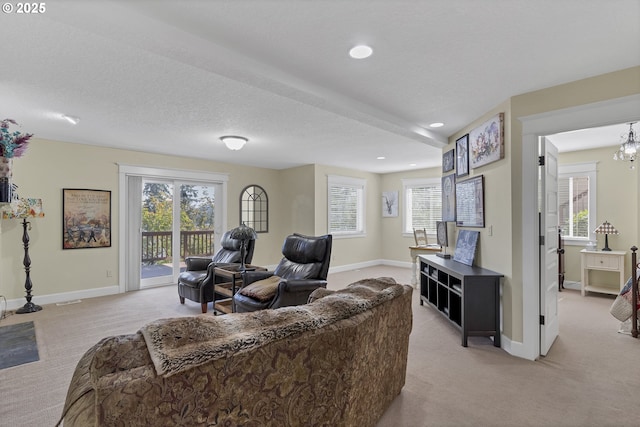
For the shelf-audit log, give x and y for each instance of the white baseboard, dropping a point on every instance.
(63, 297)
(373, 263)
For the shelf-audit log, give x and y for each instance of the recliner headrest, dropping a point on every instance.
(304, 250)
(228, 243)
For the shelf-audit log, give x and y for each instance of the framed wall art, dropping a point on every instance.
(449, 197)
(486, 142)
(466, 244)
(462, 156)
(390, 204)
(441, 229)
(86, 218)
(470, 202)
(448, 161)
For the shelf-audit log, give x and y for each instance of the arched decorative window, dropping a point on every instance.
(254, 208)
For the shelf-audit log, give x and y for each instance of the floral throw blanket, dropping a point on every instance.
(178, 344)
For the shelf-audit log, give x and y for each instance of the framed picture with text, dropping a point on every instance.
(470, 202)
(86, 218)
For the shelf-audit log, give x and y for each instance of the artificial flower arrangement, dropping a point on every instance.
(12, 144)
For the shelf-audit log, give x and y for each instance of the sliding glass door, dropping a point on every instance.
(177, 222)
(167, 215)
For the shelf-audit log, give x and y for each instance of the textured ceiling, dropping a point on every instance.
(173, 76)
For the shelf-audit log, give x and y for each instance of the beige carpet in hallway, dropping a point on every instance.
(590, 378)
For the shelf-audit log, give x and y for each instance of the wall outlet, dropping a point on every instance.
(109, 273)
(491, 230)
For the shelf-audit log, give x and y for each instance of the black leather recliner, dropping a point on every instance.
(196, 282)
(303, 269)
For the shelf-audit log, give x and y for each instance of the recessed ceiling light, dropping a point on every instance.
(71, 119)
(360, 51)
(381, 157)
(413, 164)
(436, 125)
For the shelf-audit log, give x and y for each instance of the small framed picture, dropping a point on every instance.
(389, 204)
(448, 161)
(462, 158)
(441, 228)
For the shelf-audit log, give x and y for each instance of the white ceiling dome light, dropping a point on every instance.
(234, 142)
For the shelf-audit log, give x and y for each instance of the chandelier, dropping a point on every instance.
(629, 147)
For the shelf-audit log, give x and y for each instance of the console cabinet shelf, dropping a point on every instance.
(468, 296)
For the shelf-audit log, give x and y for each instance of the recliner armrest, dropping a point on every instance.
(299, 285)
(197, 263)
(249, 277)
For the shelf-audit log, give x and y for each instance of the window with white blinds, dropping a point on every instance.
(576, 200)
(422, 204)
(346, 198)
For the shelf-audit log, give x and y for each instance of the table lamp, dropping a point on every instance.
(244, 234)
(23, 209)
(606, 229)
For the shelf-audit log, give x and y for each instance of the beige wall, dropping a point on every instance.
(600, 88)
(351, 250)
(49, 166)
(297, 191)
(617, 186)
(298, 202)
(396, 245)
(495, 243)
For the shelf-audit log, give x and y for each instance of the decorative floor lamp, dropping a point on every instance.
(23, 209)
(606, 229)
(244, 234)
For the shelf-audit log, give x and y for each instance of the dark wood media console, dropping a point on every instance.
(468, 296)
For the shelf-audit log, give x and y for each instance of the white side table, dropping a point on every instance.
(603, 261)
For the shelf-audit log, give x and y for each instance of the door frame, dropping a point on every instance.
(534, 126)
(125, 170)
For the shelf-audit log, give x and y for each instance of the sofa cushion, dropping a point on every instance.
(262, 290)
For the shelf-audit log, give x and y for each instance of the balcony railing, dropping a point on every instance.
(156, 245)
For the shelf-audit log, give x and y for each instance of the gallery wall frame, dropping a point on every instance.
(470, 202)
(462, 156)
(486, 142)
(86, 218)
(448, 161)
(448, 186)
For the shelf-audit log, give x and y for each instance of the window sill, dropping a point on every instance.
(348, 235)
(572, 241)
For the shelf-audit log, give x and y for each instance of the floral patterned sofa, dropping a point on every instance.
(338, 361)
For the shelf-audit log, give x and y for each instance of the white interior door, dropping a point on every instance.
(549, 322)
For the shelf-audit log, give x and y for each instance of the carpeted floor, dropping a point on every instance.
(18, 345)
(591, 377)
